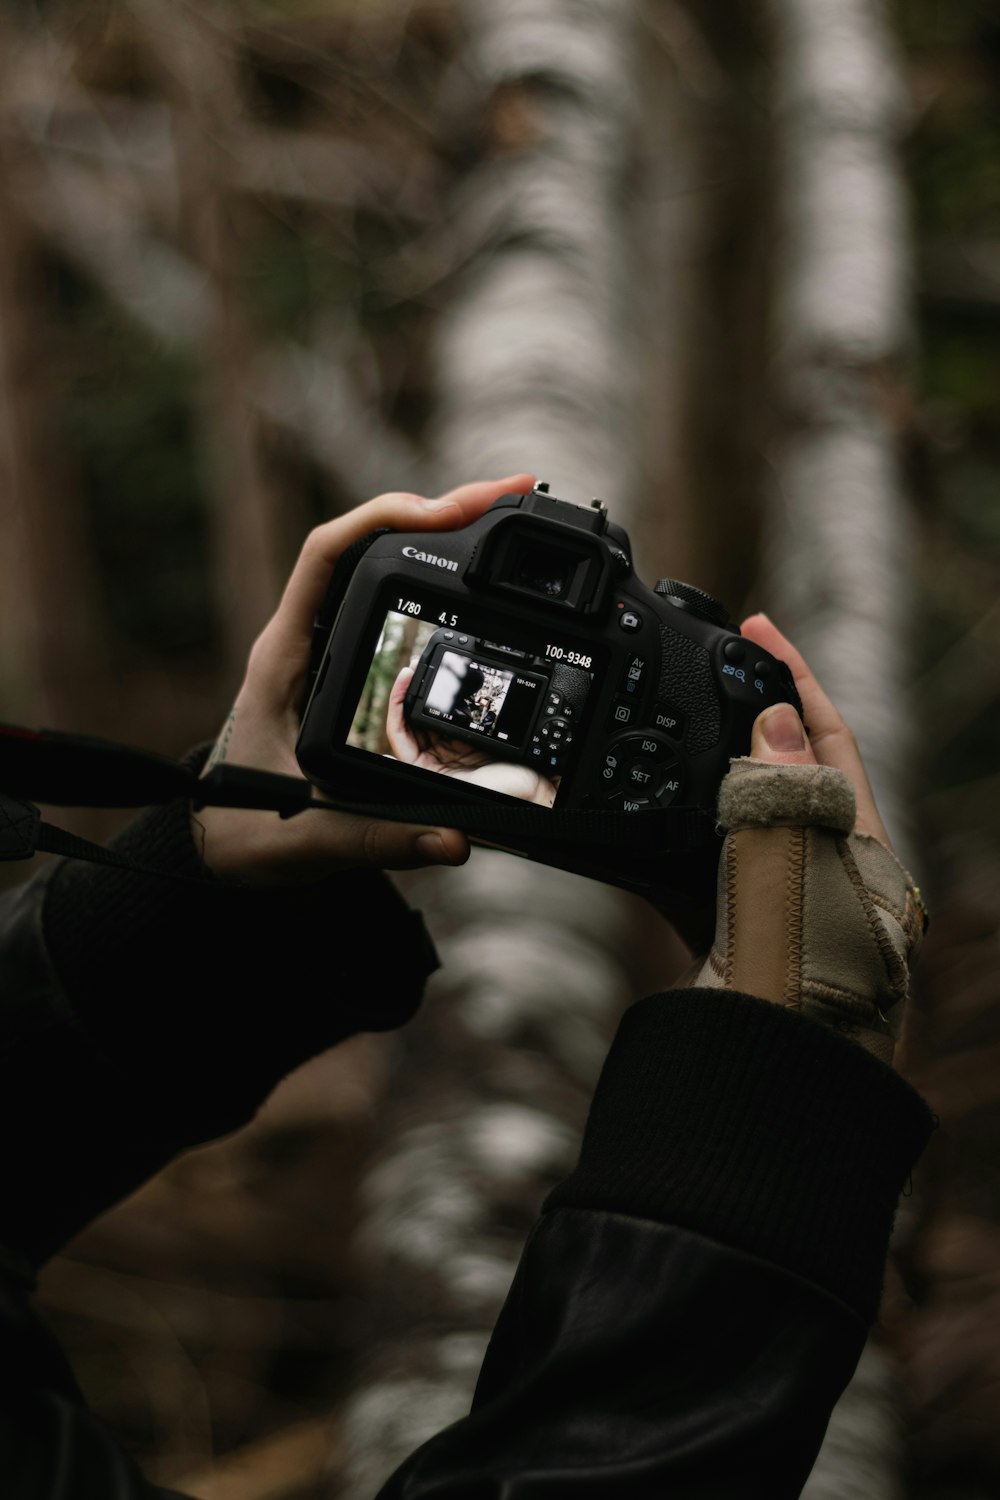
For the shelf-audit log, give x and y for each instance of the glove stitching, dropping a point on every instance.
(907, 919)
(887, 905)
(730, 910)
(896, 970)
(818, 989)
(794, 908)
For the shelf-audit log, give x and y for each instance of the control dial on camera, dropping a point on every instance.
(695, 601)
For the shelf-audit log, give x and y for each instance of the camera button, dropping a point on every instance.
(622, 713)
(640, 777)
(555, 699)
(629, 621)
(734, 650)
(633, 801)
(668, 789)
(652, 747)
(449, 635)
(612, 769)
(668, 720)
(634, 674)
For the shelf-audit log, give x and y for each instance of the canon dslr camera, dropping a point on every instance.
(521, 660)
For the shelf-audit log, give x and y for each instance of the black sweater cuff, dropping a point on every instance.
(756, 1127)
(209, 993)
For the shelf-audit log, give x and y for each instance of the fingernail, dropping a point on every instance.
(431, 847)
(438, 504)
(782, 728)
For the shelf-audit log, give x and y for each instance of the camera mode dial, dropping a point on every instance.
(695, 601)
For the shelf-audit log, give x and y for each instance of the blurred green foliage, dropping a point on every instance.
(127, 425)
(935, 24)
(952, 156)
(293, 272)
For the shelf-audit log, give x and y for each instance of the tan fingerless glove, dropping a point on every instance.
(811, 915)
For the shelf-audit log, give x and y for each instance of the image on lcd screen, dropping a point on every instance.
(451, 704)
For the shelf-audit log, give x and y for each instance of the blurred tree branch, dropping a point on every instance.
(309, 392)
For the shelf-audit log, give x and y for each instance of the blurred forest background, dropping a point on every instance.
(241, 247)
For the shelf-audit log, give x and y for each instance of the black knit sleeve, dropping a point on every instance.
(143, 1014)
(755, 1127)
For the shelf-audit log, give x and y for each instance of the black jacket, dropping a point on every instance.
(690, 1304)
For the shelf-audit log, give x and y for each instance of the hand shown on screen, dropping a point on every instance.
(452, 757)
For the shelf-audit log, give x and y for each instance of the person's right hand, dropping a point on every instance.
(779, 737)
(814, 912)
(452, 757)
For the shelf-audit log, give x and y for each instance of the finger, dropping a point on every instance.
(817, 710)
(401, 742)
(831, 739)
(780, 739)
(261, 849)
(472, 500)
(291, 626)
(403, 846)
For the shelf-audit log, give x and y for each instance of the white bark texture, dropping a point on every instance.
(840, 545)
(533, 371)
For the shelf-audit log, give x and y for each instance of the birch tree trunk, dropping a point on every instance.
(841, 561)
(534, 371)
(839, 544)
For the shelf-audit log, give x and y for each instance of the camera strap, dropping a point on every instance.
(75, 770)
(81, 771)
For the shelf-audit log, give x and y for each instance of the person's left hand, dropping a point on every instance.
(261, 847)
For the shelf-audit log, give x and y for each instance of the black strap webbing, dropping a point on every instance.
(79, 771)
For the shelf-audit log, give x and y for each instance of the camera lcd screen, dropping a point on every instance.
(456, 690)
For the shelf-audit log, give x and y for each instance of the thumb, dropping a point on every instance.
(779, 738)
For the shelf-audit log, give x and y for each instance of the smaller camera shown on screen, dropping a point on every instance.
(482, 698)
